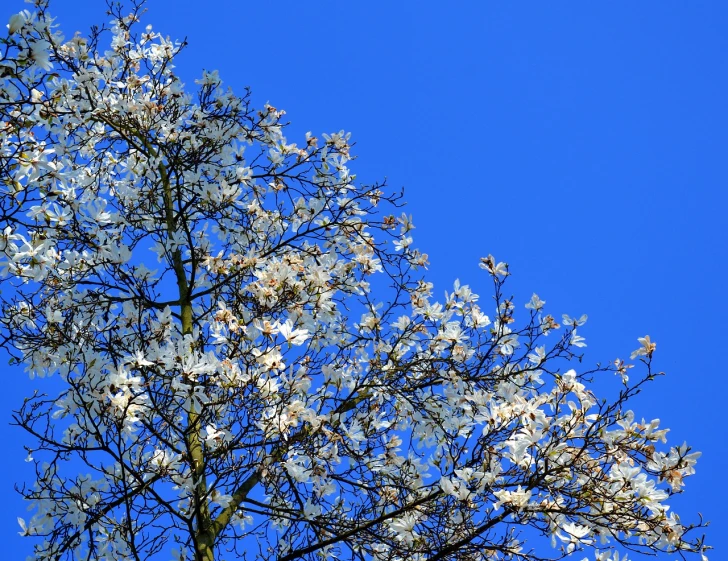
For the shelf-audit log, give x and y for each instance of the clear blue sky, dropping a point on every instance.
(582, 142)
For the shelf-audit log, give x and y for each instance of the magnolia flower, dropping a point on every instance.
(535, 303)
(478, 319)
(26, 530)
(355, 433)
(162, 460)
(53, 316)
(293, 336)
(538, 355)
(140, 360)
(17, 21)
(402, 243)
(297, 471)
(517, 499)
(575, 534)
(457, 488)
(267, 386)
(213, 435)
(647, 348)
(270, 359)
(577, 340)
(621, 368)
(402, 323)
(495, 269)
(265, 327)
(509, 344)
(404, 527)
(40, 53)
(573, 321)
(209, 78)
(221, 498)
(310, 510)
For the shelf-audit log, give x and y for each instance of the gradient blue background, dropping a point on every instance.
(582, 142)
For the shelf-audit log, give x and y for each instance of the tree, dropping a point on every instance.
(248, 361)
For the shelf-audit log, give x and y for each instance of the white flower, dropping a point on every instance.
(402, 323)
(355, 433)
(267, 386)
(221, 498)
(573, 321)
(517, 499)
(297, 471)
(40, 54)
(577, 340)
(310, 510)
(139, 360)
(509, 344)
(162, 460)
(53, 316)
(270, 359)
(648, 347)
(17, 21)
(495, 269)
(209, 78)
(575, 535)
(406, 222)
(538, 355)
(535, 303)
(293, 336)
(457, 489)
(213, 436)
(402, 243)
(404, 527)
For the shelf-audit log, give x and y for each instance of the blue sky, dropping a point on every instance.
(584, 143)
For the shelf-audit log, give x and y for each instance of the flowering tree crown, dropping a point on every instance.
(247, 359)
